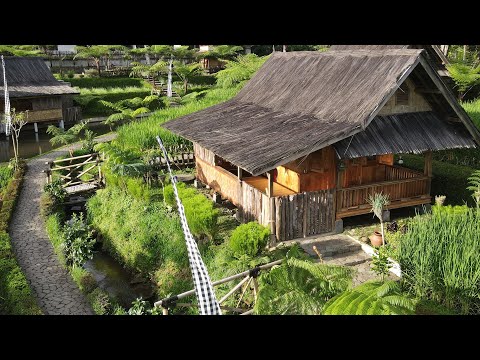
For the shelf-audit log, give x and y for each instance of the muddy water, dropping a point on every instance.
(32, 144)
(115, 280)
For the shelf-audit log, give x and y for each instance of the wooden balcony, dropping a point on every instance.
(405, 187)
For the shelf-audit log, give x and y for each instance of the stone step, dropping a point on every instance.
(329, 247)
(353, 258)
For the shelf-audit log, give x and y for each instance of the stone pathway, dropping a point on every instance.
(52, 285)
(339, 249)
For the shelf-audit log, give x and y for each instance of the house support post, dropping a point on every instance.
(35, 127)
(270, 184)
(337, 201)
(61, 124)
(427, 170)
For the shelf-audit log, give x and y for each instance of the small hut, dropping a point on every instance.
(32, 87)
(312, 134)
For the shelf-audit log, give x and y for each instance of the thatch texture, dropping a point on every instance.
(297, 103)
(405, 133)
(30, 76)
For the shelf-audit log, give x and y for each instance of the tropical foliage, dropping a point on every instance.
(465, 77)
(129, 109)
(371, 298)
(240, 70)
(299, 286)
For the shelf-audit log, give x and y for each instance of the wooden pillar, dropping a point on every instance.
(273, 223)
(240, 173)
(427, 169)
(270, 184)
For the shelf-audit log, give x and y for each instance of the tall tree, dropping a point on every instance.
(94, 52)
(186, 72)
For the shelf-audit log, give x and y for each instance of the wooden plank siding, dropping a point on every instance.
(204, 154)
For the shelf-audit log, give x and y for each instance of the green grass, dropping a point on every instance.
(15, 294)
(141, 136)
(439, 258)
(6, 174)
(473, 110)
(113, 90)
(92, 83)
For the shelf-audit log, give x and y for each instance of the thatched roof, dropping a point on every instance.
(415, 132)
(297, 103)
(30, 77)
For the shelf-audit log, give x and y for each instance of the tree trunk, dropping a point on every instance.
(185, 84)
(97, 63)
(464, 53)
(383, 236)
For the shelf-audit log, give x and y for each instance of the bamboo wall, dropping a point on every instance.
(416, 102)
(204, 154)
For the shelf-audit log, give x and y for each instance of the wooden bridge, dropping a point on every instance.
(80, 173)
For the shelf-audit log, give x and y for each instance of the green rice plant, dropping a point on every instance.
(6, 173)
(371, 298)
(439, 258)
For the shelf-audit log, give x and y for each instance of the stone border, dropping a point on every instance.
(370, 251)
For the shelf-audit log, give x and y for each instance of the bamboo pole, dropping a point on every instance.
(74, 158)
(219, 282)
(244, 291)
(235, 288)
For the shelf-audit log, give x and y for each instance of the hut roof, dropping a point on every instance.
(30, 76)
(414, 132)
(300, 102)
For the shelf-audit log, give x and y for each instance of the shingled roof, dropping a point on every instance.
(30, 76)
(297, 103)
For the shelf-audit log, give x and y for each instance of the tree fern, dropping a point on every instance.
(465, 77)
(300, 286)
(239, 70)
(371, 298)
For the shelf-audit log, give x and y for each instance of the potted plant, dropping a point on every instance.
(378, 203)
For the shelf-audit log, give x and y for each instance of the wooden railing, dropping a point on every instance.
(72, 114)
(399, 173)
(411, 191)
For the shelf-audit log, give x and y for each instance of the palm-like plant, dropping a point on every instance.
(186, 72)
(64, 137)
(474, 182)
(300, 286)
(95, 53)
(371, 298)
(222, 52)
(378, 202)
(465, 77)
(128, 110)
(239, 70)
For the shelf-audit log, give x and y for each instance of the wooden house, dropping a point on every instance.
(311, 135)
(32, 87)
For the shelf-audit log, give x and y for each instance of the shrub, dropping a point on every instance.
(85, 281)
(439, 258)
(15, 295)
(56, 191)
(78, 243)
(70, 74)
(448, 179)
(100, 302)
(249, 239)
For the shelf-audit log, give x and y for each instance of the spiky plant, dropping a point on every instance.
(465, 77)
(124, 111)
(300, 286)
(474, 182)
(378, 202)
(64, 137)
(239, 70)
(371, 298)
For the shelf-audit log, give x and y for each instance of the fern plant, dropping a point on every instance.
(127, 110)
(240, 70)
(465, 77)
(371, 298)
(474, 182)
(299, 286)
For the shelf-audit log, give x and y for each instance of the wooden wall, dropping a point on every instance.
(362, 170)
(47, 103)
(220, 180)
(204, 154)
(416, 102)
(315, 172)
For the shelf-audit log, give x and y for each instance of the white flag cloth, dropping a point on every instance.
(8, 118)
(207, 302)
(169, 81)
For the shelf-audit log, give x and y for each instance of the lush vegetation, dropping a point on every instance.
(371, 298)
(15, 294)
(107, 83)
(439, 257)
(448, 179)
(299, 286)
(249, 239)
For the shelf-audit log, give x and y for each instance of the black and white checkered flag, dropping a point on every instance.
(207, 302)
